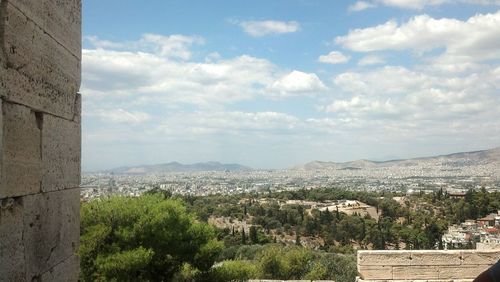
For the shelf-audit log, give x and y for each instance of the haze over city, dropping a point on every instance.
(281, 83)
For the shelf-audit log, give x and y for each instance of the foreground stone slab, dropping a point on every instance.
(40, 55)
(37, 70)
(427, 265)
(432, 280)
(20, 155)
(61, 154)
(51, 229)
(60, 19)
(11, 240)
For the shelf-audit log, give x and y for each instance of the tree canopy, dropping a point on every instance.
(142, 239)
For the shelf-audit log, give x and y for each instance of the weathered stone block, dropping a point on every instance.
(63, 23)
(20, 151)
(62, 70)
(23, 40)
(64, 272)
(483, 257)
(51, 229)
(31, 9)
(11, 243)
(36, 94)
(416, 272)
(383, 258)
(40, 72)
(434, 257)
(61, 154)
(463, 271)
(59, 19)
(375, 272)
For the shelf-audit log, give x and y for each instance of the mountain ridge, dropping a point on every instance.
(178, 167)
(453, 159)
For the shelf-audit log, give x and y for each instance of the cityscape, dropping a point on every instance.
(454, 175)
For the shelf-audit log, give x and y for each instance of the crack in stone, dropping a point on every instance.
(38, 26)
(22, 237)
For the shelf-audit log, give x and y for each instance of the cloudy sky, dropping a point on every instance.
(272, 84)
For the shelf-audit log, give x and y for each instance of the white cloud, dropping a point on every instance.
(417, 4)
(132, 78)
(145, 77)
(297, 82)
(119, 116)
(102, 43)
(360, 6)
(334, 57)
(416, 98)
(263, 28)
(175, 99)
(227, 122)
(383, 81)
(359, 106)
(412, 4)
(173, 46)
(371, 60)
(473, 40)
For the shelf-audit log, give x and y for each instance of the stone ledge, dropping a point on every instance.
(432, 280)
(426, 265)
(427, 257)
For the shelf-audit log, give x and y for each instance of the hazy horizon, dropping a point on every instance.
(278, 168)
(277, 84)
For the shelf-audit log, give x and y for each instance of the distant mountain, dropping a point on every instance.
(491, 156)
(178, 167)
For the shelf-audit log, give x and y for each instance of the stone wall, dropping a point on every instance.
(452, 265)
(40, 54)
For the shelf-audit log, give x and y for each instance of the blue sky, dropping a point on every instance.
(272, 84)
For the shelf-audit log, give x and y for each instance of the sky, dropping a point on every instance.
(273, 84)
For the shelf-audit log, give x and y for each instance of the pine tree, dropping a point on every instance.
(253, 235)
(243, 237)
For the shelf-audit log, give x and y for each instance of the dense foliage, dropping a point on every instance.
(148, 238)
(274, 261)
(417, 223)
(160, 237)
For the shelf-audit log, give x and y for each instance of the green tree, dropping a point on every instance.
(142, 239)
(234, 270)
(243, 237)
(253, 235)
(271, 263)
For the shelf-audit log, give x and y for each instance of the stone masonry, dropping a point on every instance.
(429, 265)
(40, 139)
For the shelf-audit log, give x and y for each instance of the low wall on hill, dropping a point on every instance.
(432, 265)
